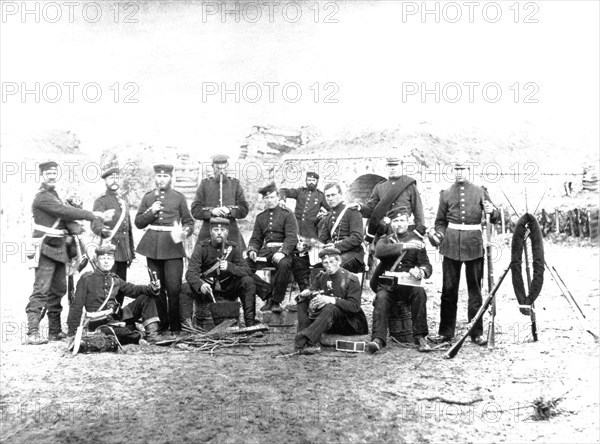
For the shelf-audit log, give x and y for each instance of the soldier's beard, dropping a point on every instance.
(311, 186)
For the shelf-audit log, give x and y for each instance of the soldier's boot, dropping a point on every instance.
(152, 332)
(55, 332)
(249, 306)
(33, 333)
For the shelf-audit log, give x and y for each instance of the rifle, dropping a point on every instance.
(486, 303)
(492, 330)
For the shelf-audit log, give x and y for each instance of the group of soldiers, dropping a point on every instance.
(222, 267)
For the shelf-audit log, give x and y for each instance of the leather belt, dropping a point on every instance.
(465, 227)
(52, 232)
(161, 227)
(274, 244)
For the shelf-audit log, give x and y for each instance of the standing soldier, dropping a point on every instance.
(218, 270)
(309, 200)
(272, 244)
(397, 191)
(165, 212)
(458, 233)
(51, 219)
(118, 230)
(220, 196)
(343, 230)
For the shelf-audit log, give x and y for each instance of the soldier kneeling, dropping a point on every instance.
(98, 292)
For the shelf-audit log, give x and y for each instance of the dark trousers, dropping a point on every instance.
(232, 289)
(451, 280)
(330, 320)
(170, 273)
(142, 308)
(49, 286)
(286, 266)
(415, 296)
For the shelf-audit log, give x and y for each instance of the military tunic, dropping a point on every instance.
(159, 244)
(123, 238)
(308, 204)
(348, 236)
(274, 225)
(92, 291)
(409, 198)
(207, 199)
(461, 204)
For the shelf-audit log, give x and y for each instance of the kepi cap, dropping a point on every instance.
(47, 165)
(268, 189)
(397, 211)
(163, 169)
(329, 252)
(312, 174)
(105, 249)
(220, 158)
(219, 222)
(109, 168)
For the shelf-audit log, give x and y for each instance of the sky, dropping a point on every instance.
(344, 67)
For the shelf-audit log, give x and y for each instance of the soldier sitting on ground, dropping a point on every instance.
(100, 290)
(331, 306)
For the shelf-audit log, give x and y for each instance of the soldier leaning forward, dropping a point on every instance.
(403, 251)
(51, 221)
(162, 211)
(218, 270)
(99, 290)
(118, 230)
(331, 306)
(220, 196)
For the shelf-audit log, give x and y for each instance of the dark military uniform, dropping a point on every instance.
(345, 317)
(123, 238)
(276, 230)
(348, 236)
(164, 255)
(388, 250)
(50, 275)
(92, 291)
(235, 282)
(376, 210)
(308, 204)
(458, 220)
(207, 199)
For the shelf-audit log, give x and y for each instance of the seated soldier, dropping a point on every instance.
(343, 230)
(332, 306)
(401, 251)
(100, 289)
(273, 244)
(218, 271)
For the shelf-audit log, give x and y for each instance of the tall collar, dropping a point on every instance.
(339, 206)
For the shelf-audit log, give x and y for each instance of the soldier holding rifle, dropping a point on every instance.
(458, 234)
(220, 196)
(218, 270)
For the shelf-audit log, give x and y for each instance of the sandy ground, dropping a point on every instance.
(159, 394)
